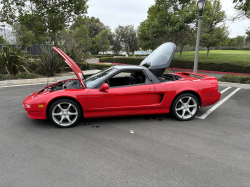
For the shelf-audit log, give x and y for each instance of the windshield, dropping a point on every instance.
(91, 81)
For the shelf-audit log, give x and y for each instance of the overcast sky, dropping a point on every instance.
(117, 12)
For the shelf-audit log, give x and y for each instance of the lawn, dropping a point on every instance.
(218, 54)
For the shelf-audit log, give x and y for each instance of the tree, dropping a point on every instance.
(81, 36)
(237, 41)
(94, 25)
(55, 14)
(100, 42)
(172, 20)
(115, 43)
(243, 7)
(2, 40)
(212, 34)
(32, 23)
(127, 35)
(23, 35)
(247, 39)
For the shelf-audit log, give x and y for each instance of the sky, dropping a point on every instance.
(124, 12)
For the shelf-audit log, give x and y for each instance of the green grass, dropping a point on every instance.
(231, 55)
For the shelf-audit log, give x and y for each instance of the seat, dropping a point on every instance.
(138, 78)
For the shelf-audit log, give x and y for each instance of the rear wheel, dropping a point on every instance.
(185, 107)
(65, 113)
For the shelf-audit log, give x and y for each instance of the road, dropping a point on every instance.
(103, 152)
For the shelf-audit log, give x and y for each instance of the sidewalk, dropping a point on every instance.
(71, 75)
(65, 76)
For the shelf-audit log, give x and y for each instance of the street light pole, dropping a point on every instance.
(197, 45)
(201, 5)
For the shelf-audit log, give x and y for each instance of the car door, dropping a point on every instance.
(125, 99)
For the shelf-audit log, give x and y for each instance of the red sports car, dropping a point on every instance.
(124, 90)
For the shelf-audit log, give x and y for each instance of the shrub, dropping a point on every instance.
(37, 57)
(123, 60)
(235, 79)
(214, 65)
(75, 53)
(100, 56)
(107, 59)
(99, 66)
(26, 76)
(50, 62)
(12, 60)
(83, 65)
(31, 65)
(2, 77)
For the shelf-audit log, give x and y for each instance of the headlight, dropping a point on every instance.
(27, 105)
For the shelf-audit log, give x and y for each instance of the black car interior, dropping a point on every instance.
(135, 77)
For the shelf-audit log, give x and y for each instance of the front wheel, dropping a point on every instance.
(185, 107)
(65, 113)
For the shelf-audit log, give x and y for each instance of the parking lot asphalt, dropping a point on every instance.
(126, 151)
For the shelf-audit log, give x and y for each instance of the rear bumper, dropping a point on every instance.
(212, 99)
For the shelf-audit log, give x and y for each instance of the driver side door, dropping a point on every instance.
(120, 99)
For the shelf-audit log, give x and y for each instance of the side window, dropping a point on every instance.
(126, 78)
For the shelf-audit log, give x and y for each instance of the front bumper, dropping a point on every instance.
(36, 115)
(31, 108)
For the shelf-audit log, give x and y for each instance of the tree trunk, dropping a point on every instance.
(207, 52)
(181, 51)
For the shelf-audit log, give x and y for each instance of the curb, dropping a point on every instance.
(34, 81)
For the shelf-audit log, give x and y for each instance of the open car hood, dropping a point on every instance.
(160, 58)
(72, 65)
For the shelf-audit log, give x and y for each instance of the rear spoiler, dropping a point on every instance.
(197, 75)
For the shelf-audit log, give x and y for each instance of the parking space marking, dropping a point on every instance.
(218, 104)
(225, 90)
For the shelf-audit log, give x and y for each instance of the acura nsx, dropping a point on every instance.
(124, 90)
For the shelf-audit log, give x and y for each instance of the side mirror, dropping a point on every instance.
(104, 87)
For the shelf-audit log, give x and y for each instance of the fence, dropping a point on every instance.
(36, 49)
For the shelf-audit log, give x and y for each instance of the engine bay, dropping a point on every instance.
(169, 77)
(63, 85)
(68, 84)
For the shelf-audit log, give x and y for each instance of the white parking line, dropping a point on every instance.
(225, 90)
(217, 105)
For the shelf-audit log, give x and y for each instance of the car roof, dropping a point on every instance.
(129, 67)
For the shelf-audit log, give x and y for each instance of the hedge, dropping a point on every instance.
(99, 66)
(214, 65)
(137, 55)
(204, 64)
(123, 60)
(235, 79)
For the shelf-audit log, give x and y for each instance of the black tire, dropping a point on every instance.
(185, 107)
(65, 113)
